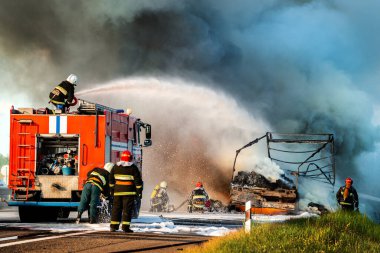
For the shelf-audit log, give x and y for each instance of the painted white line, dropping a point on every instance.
(45, 238)
(9, 238)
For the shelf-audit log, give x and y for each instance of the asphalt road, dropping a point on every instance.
(33, 239)
(21, 240)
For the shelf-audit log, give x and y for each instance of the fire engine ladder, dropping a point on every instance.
(92, 108)
(25, 151)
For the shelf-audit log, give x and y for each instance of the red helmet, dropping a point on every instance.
(349, 180)
(199, 184)
(126, 156)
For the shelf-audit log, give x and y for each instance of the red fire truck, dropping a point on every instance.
(51, 153)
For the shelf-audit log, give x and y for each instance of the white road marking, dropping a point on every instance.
(9, 238)
(45, 238)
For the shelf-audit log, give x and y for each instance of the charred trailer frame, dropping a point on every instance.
(309, 156)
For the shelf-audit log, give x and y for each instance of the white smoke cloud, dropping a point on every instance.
(196, 131)
(269, 169)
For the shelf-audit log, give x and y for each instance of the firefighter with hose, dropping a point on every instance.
(159, 199)
(97, 183)
(347, 197)
(126, 184)
(198, 199)
(62, 96)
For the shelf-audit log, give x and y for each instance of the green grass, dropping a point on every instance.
(335, 232)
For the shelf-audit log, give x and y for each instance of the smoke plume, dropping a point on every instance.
(302, 66)
(195, 130)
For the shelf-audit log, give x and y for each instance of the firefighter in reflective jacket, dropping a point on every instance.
(125, 183)
(97, 183)
(63, 94)
(347, 196)
(159, 199)
(198, 199)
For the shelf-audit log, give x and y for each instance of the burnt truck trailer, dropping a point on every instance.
(43, 146)
(266, 197)
(301, 156)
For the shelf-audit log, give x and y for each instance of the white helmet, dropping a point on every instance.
(108, 167)
(72, 79)
(163, 184)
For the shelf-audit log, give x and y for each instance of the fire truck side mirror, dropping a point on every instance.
(148, 131)
(148, 142)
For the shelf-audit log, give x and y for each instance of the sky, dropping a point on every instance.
(242, 68)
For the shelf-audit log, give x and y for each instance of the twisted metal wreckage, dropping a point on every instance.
(308, 156)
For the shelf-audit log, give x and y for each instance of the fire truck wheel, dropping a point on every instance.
(63, 213)
(25, 214)
(49, 213)
(37, 214)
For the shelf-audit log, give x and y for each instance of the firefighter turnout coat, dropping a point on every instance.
(97, 182)
(125, 184)
(351, 201)
(159, 198)
(100, 178)
(198, 197)
(64, 91)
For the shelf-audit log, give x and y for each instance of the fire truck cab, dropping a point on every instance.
(51, 154)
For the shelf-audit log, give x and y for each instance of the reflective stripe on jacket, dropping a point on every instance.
(64, 91)
(198, 193)
(351, 200)
(100, 178)
(126, 180)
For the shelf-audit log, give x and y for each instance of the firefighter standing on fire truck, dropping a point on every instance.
(198, 198)
(347, 196)
(97, 183)
(125, 183)
(63, 94)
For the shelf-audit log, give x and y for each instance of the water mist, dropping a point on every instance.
(196, 131)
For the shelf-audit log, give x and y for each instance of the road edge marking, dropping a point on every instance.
(45, 238)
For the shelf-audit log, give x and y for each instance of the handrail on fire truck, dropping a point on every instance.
(91, 107)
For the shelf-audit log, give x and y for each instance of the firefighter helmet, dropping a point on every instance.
(163, 184)
(126, 156)
(108, 167)
(72, 79)
(349, 181)
(199, 184)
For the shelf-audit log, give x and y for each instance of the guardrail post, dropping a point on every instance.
(248, 219)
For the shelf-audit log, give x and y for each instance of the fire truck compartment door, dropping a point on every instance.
(57, 187)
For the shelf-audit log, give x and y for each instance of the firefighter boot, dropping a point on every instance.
(126, 229)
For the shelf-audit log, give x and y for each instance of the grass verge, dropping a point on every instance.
(334, 232)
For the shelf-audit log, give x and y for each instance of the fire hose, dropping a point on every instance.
(175, 209)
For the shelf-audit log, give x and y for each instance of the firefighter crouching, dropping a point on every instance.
(125, 183)
(97, 183)
(198, 199)
(62, 96)
(347, 196)
(159, 199)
